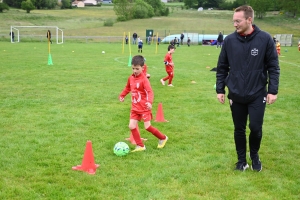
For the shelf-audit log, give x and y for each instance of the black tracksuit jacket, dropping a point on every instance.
(246, 65)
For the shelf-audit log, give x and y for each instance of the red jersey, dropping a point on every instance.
(168, 59)
(141, 92)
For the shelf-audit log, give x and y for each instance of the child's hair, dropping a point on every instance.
(171, 47)
(137, 60)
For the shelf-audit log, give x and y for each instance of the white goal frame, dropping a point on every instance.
(57, 31)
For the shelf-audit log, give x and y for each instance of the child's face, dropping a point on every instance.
(137, 69)
(172, 51)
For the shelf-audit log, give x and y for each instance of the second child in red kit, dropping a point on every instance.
(142, 98)
(169, 66)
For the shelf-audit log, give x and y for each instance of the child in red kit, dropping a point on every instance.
(169, 66)
(142, 98)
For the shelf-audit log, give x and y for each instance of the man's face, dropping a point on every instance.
(137, 69)
(242, 25)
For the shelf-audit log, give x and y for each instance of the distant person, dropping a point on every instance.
(188, 41)
(140, 46)
(299, 45)
(278, 47)
(172, 42)
(220, 40)
(181, 38)
(49, 36)
(149, 39)
(169, 65)
(126, 39)
(248, 66)
(134, 37)
(274, 39)
(12, 34)
(158, 40)
(142, 97)
(176, 41)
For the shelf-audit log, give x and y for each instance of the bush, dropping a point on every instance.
(109, 22)
(3, 6)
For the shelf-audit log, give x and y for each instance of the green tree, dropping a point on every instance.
(13, 3)
(290, 6)
(3, 6)
(212, 3)
(158, 6)
(260, 7)
(141, 10)
(27, 5)
(123, 9)
(190, 3)
(65, 4)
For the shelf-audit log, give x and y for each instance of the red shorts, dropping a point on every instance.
(147, 116)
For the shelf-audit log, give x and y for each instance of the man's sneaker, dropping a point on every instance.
(162, 82)
(170, 85)
(162, 143)
(139, 148)
(241, 166)
(256, 164)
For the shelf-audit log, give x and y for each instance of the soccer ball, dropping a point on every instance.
(121, 149)
(103, 51)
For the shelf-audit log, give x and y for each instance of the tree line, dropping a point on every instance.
(139, 9)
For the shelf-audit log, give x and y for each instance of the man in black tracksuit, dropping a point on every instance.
(248, 66)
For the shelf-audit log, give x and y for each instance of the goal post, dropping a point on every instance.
(22, 30)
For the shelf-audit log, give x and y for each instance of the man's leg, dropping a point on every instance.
(256, 118)
(239, 116)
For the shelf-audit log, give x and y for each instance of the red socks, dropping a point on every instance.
(156, 133)
(137, 137)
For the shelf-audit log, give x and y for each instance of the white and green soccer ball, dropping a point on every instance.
(121, 149)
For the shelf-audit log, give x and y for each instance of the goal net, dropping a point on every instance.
(37, 32)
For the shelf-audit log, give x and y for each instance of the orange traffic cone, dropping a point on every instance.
(160, 114)
(88, 163)
(131, 139)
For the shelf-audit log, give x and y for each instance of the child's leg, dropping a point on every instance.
(135, 132)
(171, 75)
(154, 131)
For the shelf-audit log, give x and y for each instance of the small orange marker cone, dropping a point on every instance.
(160, 114)
(88, 163)
(131, 139)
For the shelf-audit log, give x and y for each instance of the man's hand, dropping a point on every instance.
(221, 98)
(121, 98)
(271, 98)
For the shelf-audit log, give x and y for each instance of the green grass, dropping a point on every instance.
(49, 112)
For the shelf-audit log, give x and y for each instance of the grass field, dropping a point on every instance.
(48, 112)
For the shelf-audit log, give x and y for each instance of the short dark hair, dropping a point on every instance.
(171, 47)
(138, 60)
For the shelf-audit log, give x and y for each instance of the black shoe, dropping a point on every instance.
(256, 164)
(241, 166)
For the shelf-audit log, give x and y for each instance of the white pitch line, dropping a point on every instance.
(289, 63)
(117, 59)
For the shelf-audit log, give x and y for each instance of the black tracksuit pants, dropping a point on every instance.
(240, 112)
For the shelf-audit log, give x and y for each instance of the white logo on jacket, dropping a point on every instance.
(254, 52)
(136, 97)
